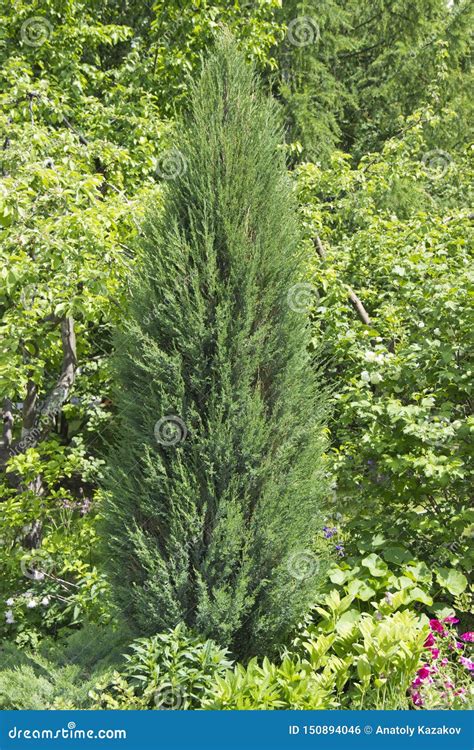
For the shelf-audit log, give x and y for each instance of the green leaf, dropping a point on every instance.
(338, 576)
(354, 586)
(376, 565)
(452, 580)
(404, 582)
(418, 595)
(419, 572)
(397, 555)
(347, 620)
(364, 669)
(365, 592)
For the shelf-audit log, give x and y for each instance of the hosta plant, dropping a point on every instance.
(370, 659)
(340, 659)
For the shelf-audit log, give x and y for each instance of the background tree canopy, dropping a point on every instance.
(375, 100)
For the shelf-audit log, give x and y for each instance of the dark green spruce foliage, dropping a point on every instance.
(211, 529)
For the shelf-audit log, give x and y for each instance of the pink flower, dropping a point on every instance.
(424, 672)
(467, 663)
(417, 699)
(448, 684)
(434, 652)
(443, 662)
(451, 620)
(437, 626)
(430, 640)
(417, 682)
(468, 637)
(459, 645)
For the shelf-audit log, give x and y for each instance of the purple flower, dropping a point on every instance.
(467, 663)
(430, 640)
(424, 672)
(340, 549)
(328, 532)
(85, 507)
(468, 637)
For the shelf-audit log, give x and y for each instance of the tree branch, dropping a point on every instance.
(61, 390)
(7, 424)
(68, 124)
(358, 306)
(320, 248)
(29, 408)
(53, 403)
(352, 296)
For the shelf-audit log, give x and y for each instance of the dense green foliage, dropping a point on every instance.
(376, 106)
(400, 231)
(349, 72)
(206, 525)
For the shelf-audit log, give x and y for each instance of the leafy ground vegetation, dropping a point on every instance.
(236, 354)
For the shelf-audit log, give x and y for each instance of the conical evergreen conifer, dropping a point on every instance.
(216, 483)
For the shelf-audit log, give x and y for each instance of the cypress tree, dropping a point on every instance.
(216, 482)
